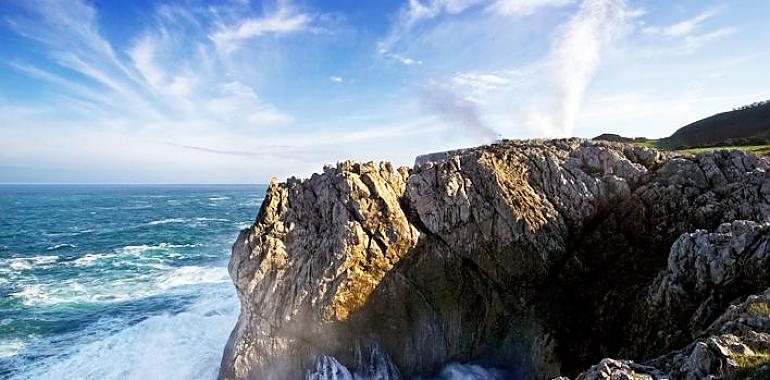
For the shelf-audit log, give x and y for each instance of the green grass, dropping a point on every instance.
(762, 150)
(759, 308)
(751, 366)
(647, 143)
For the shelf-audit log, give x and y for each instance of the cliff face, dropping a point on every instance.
(540, 257)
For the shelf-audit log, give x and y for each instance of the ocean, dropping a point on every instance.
(118, 281)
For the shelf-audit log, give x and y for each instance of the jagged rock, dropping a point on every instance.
(610, 369)
(526, 255)
(706, 270)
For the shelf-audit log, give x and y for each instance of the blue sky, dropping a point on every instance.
(240, 91)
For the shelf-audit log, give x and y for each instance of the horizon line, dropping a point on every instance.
(128, 184)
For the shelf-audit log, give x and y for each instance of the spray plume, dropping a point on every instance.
(574, 58)
(460, 112)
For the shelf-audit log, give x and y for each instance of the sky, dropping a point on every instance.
(242, 91)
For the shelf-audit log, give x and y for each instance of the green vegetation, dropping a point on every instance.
(759, 308)
(749, 125)
(755, 366)
(762, 150)
(646, 143)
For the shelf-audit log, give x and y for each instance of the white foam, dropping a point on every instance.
(218, 198)
(187, 345)
(24, 263)
(10, 348)
(83, 290)
(89, 259)
(65, 245)
(457, 371)
(167, 221)
(192, 275)
(211, 220)
(244, 225)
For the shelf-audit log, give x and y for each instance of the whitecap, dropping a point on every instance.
(10, 348)
(18, 264)
(167, 221)
(222, 198)
(58, 246)
(187, 345)
(25, 263)
(192, 275)
(212, 220)
(139, 249)
(243, 225)
(89, 259)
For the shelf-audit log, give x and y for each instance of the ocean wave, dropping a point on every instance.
(221, 198)
(89, 259)
(135, 251)
(193, 275)
(197, 220)
(10, 348)
(26, 263)
(167, 221)
(103, 289)
(187, 345)
(138, 249)
(59, 246)
(243, 225)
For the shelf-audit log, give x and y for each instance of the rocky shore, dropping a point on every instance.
(542, 257)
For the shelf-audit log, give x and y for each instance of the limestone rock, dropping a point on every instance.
(535, 256)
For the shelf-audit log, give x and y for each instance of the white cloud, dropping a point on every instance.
(415, 12)
(479, 84)
(335, 78)
(682, 28)
(237, 103)
(400, 58)
(284, 20)
(171, 79)
(686, 36)
(525, 7)
(694, 42)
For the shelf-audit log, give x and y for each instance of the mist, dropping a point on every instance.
(572, 63)
(461, 113)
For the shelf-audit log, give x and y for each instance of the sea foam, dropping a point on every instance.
(186, 345)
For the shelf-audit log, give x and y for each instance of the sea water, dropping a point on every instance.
(130, 282)
(108, 282)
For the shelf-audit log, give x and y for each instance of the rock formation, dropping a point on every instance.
(536, 257)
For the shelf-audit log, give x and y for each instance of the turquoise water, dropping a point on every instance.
(101, 281)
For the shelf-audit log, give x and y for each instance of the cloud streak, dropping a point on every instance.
(283, 21)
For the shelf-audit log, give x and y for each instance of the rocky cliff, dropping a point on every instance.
(537, 257)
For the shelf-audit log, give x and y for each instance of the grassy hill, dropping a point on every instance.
(746, 128)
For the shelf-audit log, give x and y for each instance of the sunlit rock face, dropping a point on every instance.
(531, 257)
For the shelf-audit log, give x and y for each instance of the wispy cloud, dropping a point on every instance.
(284, 20)
(685, 27)
(335, 78)
(689, 35)
(477, 84)
(167, 75)
(525, 7)
(400, 58)
(414, 13)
